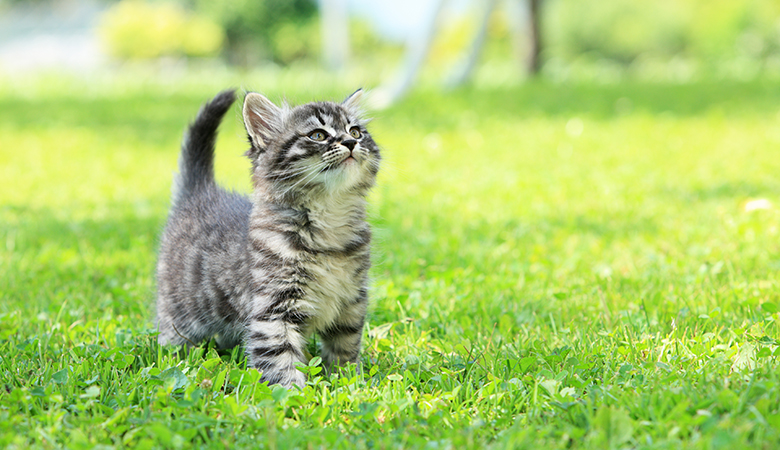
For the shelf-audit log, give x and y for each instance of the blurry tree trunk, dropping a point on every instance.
(534, 61)
(517, 18)
(334, 26)
(464, 71)
(417, 50)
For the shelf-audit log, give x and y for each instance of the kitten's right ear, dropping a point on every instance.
(262, 120)
(354, 103)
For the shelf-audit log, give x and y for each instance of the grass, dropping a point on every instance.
(556, 266)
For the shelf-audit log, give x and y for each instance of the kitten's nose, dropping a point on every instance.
(349, 143)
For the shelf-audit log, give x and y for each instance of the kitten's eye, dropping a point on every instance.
(355, 132)
(317, 135)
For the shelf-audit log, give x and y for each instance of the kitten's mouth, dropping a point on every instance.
(346, 162)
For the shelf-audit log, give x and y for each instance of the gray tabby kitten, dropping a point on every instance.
(293, 259)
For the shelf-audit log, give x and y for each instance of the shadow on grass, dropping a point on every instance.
(158, 120)
(739, 190)
(93, 265)
(601, 101)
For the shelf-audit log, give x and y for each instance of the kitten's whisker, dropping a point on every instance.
(294, 173)
(321, 168)
(303, 170)
(317, 169)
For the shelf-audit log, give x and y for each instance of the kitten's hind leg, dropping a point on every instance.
(169, 332)
(170, 335)
(274, 347)
(226, 341)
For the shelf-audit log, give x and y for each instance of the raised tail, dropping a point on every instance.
(196, 161)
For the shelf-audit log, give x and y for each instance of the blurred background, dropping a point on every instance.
(398, 44)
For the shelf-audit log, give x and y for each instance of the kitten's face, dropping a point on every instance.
(317, 147)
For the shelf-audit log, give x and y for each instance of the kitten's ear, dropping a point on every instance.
(354, 103)
(262, 119)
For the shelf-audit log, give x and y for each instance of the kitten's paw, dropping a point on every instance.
(286, 378)
(298, 379)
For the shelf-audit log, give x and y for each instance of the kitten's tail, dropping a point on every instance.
(196, 162)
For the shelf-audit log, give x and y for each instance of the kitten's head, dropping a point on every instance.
(311, 149)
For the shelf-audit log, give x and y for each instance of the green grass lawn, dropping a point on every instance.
(556, 266)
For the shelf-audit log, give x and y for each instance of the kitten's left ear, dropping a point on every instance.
(354, 103)
(262, 118)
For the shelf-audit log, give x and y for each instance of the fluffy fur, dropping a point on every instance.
(293, 259)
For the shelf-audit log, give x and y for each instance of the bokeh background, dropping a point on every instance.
(608, 40)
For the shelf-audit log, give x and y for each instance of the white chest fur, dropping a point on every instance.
(333, 285)
(335, 225)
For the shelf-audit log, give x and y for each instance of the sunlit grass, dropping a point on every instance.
(556, 266)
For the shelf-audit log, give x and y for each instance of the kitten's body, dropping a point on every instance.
(293, 260)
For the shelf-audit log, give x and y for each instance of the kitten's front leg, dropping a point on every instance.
(274, 346)
(341, 340)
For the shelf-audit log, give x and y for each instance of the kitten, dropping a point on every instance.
(293, 259)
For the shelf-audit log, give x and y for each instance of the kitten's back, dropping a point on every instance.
(202, 258)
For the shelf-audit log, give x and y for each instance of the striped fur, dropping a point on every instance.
(292, 260)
